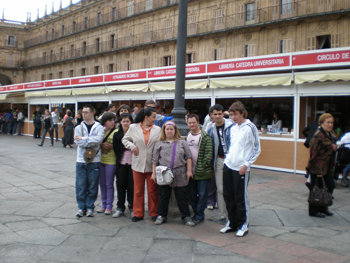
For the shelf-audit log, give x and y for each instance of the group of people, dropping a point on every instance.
(134, 148)
(11, 121)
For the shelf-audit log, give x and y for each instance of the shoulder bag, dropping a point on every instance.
(320, 196)
(164, 174)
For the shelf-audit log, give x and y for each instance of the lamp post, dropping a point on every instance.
(179, 110)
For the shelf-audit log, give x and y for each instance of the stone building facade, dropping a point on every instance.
(93, 37)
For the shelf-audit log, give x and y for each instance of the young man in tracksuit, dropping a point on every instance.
(202, 156)
(244, 149)
(217, 132)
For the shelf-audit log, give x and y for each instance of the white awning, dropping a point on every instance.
(3, 96)
(309, 77)
(88, 91)
(38, 93)
(59, 92)
(191, 84)
(251, 81)
(135, 87)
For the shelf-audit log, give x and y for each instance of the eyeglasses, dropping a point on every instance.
(86, 112)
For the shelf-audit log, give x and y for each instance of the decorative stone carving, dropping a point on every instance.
(166, 48)
(284, 31)
(145, 52)
(324, 25)
(217, 41)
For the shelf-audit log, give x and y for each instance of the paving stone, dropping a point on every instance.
(12, 206)
(201, 248)
(222, 259)
(120, 256)
(332, 246)
(38, 210)
(298, 238)
(44, 236)
(317, 231)
(63, 210)
(26, 225)
(86, 241)
(31, 253)
(163, 233)
(273, 256)
(130, 243)
(167, 256)
(60, 221)
(9, 238)
(82, 228)
(14, 218)
(72, 254)
(344, 214)
(295, 218)
(139, 229)
(259, 217)
(268, 231)
(321, 256)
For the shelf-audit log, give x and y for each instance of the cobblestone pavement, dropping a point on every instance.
(38, 224)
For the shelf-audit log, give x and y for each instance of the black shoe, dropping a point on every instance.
(318, 214)
(40, 145)
(136, 219)
(154, 218)
(308, 185)
(328, 213)
(197, 221)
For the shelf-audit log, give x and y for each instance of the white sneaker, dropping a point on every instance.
(225, 230)
(89, 213)
(118, 213)
(242, 232)
(80, 213)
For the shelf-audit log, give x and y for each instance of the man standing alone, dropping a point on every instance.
(217, 132)
(243, 150)
(201, 148)
(89, 134)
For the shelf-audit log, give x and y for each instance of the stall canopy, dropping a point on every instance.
(251, 81)
(59, 92)
(134, 87)
(3, 96)
(38, 93)
(320, 76)
(88, 91)
(195, 84)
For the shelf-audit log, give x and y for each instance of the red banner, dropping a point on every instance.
(87, 80)
(321, 58)
(3, 88)
(171, 71)
(248, 64)
(15, 87)
(126, 76)
(34, 85)
(57, 83)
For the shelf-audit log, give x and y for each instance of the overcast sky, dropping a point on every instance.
(17, 9)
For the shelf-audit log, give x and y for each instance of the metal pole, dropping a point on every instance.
(179, 111)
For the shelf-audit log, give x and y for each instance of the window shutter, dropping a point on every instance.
(278, 46)
(160, 62)
(172, 62)
(243, 51)
(288, 45)
(335, 40)
(241, 14)
(311, 43)
(257, 12)
(193, 57)
(276, 10)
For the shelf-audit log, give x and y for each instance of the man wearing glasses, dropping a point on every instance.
(88, 134)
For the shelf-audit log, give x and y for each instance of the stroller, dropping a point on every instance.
(342, 160)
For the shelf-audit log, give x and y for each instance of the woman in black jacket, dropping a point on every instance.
(125, 182)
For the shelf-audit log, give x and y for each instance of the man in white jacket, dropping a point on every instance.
(88, 134)
(244, 149)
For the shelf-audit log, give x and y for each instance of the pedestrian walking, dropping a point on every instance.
(48, 128)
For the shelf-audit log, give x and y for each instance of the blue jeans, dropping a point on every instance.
(20, 123)
(197, 194)
(14, 128)
(86, 184)
(346, 171)
(55, 127)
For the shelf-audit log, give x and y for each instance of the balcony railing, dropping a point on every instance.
(118, 14)
(288, 11)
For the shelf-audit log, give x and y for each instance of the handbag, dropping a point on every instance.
(320, 196)
(164, 174)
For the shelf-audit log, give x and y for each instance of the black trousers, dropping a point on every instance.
(236, 197)
(328, 178)
(181, 198)
(125, 186)
(37, 132)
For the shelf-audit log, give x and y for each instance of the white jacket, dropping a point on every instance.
(244, 146)
(94, 140)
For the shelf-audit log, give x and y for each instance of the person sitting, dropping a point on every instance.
(276, 122)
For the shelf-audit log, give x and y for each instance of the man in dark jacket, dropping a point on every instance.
(309, 131)
(201, 147)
